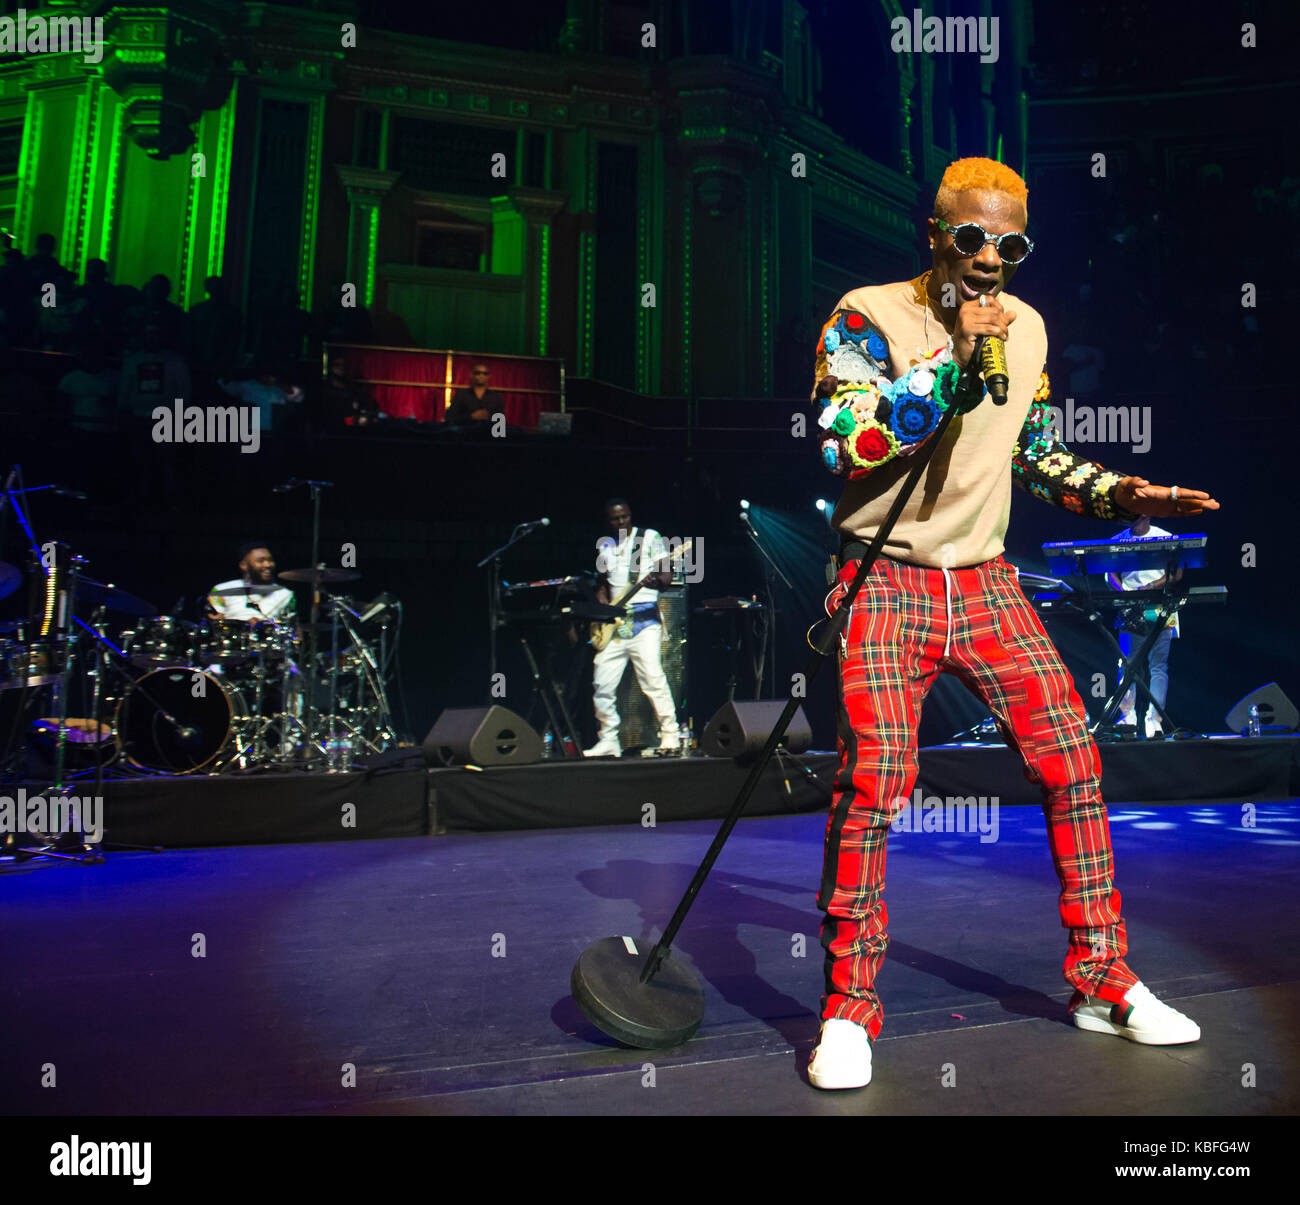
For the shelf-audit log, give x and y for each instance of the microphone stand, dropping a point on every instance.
(521, 531)
(771, 570)
(822, 650)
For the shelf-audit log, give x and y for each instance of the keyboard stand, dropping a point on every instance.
(1133, 674)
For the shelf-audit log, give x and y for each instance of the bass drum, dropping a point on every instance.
(179, 720)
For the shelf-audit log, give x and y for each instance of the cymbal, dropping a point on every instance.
(10, 579)
(114, 598)
(319, 575)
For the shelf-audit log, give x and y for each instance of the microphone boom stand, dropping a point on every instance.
(495, 621)
(610, 983)
(770, 570)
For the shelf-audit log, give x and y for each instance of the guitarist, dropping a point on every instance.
(628, 558)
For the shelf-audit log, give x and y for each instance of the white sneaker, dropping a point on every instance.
(842, 1058)
(1141, 1018)
(605, 747)
(1154, 727)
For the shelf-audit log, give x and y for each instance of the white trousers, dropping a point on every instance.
(644, 651)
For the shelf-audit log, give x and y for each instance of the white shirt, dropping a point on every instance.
(618, 560)
(1139, 579)
(238, 599)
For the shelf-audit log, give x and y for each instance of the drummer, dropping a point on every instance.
(255, 596)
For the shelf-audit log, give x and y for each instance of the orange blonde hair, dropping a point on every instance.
(987, 175)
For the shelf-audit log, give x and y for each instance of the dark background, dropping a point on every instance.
(1164, 250)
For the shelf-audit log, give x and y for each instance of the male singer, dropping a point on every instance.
(942, 599)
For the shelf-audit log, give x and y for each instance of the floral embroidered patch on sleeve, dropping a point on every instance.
(870, 420)
(1047, 469)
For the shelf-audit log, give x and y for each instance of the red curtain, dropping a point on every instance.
(527, 386)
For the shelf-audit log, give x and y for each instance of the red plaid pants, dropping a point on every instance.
(909, 624)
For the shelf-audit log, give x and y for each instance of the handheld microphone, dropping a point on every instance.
(992, 355)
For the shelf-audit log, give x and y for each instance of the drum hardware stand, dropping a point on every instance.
(332, 739)
(371, 671)
(258, 750)
(71, 845)
(309, 702)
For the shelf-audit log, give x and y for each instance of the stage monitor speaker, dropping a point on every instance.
(482, 736)
(740, 729)
(1275, 710)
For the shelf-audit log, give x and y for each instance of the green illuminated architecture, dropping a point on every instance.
(480, 196)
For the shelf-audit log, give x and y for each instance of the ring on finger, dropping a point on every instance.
(1173, 492)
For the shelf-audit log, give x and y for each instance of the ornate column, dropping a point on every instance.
(366, 188)
(721, 140)
(539, 207)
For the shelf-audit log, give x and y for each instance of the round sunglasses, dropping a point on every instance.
(970, 238)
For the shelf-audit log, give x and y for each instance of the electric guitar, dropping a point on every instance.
(603, 633)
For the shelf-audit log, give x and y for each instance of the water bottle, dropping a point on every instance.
(1252, 724)
(338, 752)
(548, 746)
(684, 735)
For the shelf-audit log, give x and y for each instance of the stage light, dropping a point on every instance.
(822, 505)
(744, 504)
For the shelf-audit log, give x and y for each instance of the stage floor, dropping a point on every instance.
(406, 799)
(439, 969)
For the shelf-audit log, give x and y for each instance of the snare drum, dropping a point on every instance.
(163, 640)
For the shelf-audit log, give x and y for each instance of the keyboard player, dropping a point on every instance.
(1130, 710)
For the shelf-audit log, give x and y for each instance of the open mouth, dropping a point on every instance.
(973, 286)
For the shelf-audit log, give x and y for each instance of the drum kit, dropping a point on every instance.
(166, 695)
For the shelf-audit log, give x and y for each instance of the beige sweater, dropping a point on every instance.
(958, 513)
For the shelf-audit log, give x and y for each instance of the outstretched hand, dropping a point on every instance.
(1138, 495)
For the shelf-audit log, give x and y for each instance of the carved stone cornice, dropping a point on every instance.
(366, 183)
(537, 204)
